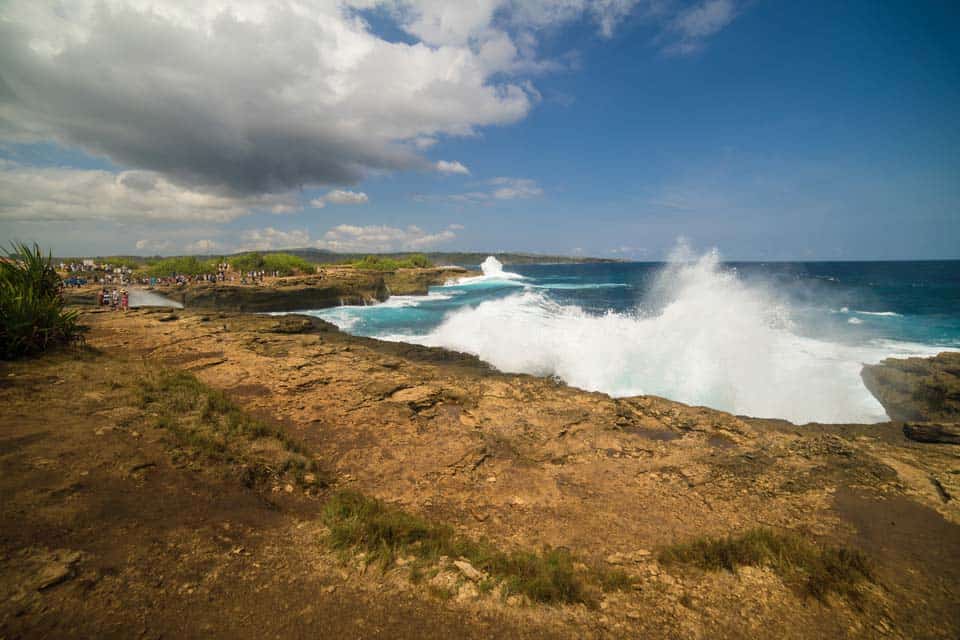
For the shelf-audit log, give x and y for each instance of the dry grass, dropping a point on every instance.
(812, 569)
(209, 423)
(384, 533)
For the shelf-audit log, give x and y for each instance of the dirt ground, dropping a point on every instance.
(110, 528)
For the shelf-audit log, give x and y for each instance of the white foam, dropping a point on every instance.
(854, 321)
(702, 336)
(877, 313)
(492, 272)
(141, 298)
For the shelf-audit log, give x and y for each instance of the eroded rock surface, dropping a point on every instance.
(922, 389)
(526, 462)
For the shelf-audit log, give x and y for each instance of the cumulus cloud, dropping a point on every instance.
(270, 238)
(254, 97)
(443, 166)
(274, 95)
(43, 193)
(341, 196)
(348, 238)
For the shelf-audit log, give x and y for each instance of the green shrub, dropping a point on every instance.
(120, 261)
(32, 316)
(284, 263)
(381, 263)
(184, 265)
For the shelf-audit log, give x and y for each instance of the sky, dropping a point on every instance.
(769, 130)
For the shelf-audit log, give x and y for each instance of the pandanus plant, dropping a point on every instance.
(32, 314)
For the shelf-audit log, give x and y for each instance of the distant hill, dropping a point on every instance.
(442, 257)
(321, 256)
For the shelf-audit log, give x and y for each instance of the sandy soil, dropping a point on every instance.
(110, 529)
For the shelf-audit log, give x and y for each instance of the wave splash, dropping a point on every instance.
(141, 298)
(493, 273)
(700, 336)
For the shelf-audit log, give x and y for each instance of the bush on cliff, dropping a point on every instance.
(32, 317)
(184, 265)
(285, 263)
(380, 263)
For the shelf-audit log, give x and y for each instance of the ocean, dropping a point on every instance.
(774, 340)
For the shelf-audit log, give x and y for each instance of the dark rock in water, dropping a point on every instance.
(944, 433)
(918, 389)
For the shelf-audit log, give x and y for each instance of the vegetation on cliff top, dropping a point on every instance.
(813, 570)
(386, 533)
(32, 317)
(211, 425)
(184, 265)
(382, 263)
(285, 263)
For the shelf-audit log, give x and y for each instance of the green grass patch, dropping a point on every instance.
(207, 421)
(383, 532)
(814, 570)
(381, 263)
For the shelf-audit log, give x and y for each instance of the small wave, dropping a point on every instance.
(878, 313)
(855, 321)
(576, 287)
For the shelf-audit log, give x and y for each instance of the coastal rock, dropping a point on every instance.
(938, 432)
(917, 389)
(332, 287)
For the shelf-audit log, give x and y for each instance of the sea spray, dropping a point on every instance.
(141, 298)
(752, 339)
(701, 335)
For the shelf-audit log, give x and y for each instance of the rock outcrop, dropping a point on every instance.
(333, 286)
(917, 389)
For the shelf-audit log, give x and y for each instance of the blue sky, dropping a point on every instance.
(769, 130)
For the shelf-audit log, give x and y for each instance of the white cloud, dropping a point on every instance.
(203, 246)
(254, 96)
(379, 238)
(444, 166)
(215, 103)
(146, 244)
(340, 196)
(692, 26)
(501, 188)
(270, 238)
(513, 188)
(34, 193)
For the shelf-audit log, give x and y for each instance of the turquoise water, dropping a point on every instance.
(782, 340)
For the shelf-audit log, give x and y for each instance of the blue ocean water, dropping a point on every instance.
(783, 340)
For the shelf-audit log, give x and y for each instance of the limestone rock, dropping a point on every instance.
(468, 570)
(920, 389)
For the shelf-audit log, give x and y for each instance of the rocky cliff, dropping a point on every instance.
(922, 389)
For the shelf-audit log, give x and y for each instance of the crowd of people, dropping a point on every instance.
(113, 277)
(116, 299)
